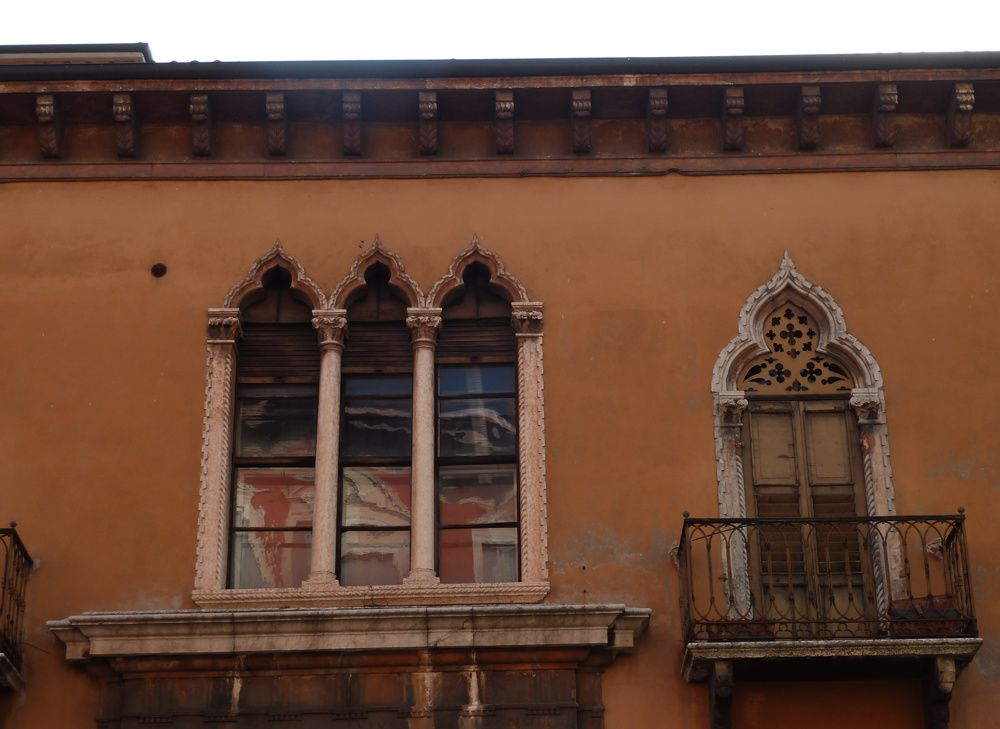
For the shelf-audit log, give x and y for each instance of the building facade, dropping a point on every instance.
(587, 393)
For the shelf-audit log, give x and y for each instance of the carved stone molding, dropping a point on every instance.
(49, 126)
(960, 107)
(424, 324)
(200, 108)
(351, 112)
(476, 252)
(275, 257)
(884, 115)
(377, 252)
(656, 120)
(123, 110)
(732, 119)
(580, 120)
(277, 123)
(503, 122)
(788, 285)
(427, 133)
(808, 116)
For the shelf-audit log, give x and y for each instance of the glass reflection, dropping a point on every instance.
(269, 559)
(377, 385)
(377, 428)
(273, 497)
(477, 427)
(478, 555)
(477, 494)
(374, 558)
(276, 427)
(376, 497)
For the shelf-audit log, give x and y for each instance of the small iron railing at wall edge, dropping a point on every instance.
(16, 567)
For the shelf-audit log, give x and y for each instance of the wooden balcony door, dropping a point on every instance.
(802, 459)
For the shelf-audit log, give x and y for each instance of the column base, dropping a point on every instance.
(421, 577)
(320, 581)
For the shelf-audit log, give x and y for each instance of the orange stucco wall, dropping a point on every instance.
(642, 278)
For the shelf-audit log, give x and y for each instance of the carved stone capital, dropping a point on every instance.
(526, 318)
(731, 406)
(868, 408)
(330, 325)
(424, 324)
(223, 326)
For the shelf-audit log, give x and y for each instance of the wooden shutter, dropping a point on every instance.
(282, 352)
(372, 346)
(486, 340)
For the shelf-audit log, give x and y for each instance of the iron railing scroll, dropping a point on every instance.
(825, 578)
(16, 567)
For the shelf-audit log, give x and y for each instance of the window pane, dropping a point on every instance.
(374, 558)
(377, 385)
(477, 427)
(269, 559)
(478, 555)
(379, 428)
(476, 379)
(273, 497)
(376, 497)
(477, 494)
(276, 427)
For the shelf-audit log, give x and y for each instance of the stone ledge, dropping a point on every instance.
(614, 628)
(700, 655)
(374, 596)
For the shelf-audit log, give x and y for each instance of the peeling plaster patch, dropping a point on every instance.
(988, 660)
(969, 469)
(594, 545)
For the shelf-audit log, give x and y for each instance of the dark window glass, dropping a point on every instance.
(378, 385)
(377, 428)
(476, 380)
(276, 427)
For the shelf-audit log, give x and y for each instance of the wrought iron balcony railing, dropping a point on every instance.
(16, 566)
(825, 578)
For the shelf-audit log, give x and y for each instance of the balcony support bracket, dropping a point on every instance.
(720, 695)
(937, 692)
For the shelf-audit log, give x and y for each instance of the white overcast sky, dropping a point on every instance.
(184, 30)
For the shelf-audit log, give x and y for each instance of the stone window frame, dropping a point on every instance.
(422, 586)
(867, 400)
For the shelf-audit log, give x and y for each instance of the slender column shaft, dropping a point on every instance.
(323, 569)
(424, 324)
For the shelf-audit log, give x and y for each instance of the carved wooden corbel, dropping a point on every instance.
(656, 120)
(428, 110)
(938, 686)
(720, 695)
(49, 126)
(580, 121)
(351, 106)
(503, 123)
(808, 117)
(201, 125)
(963, 100)
(123, 110)
(884, 115)
(277, 123)
(732, 119)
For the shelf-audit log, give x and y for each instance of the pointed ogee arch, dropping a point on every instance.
(275, 257)
(475, 252)
(355, 278)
